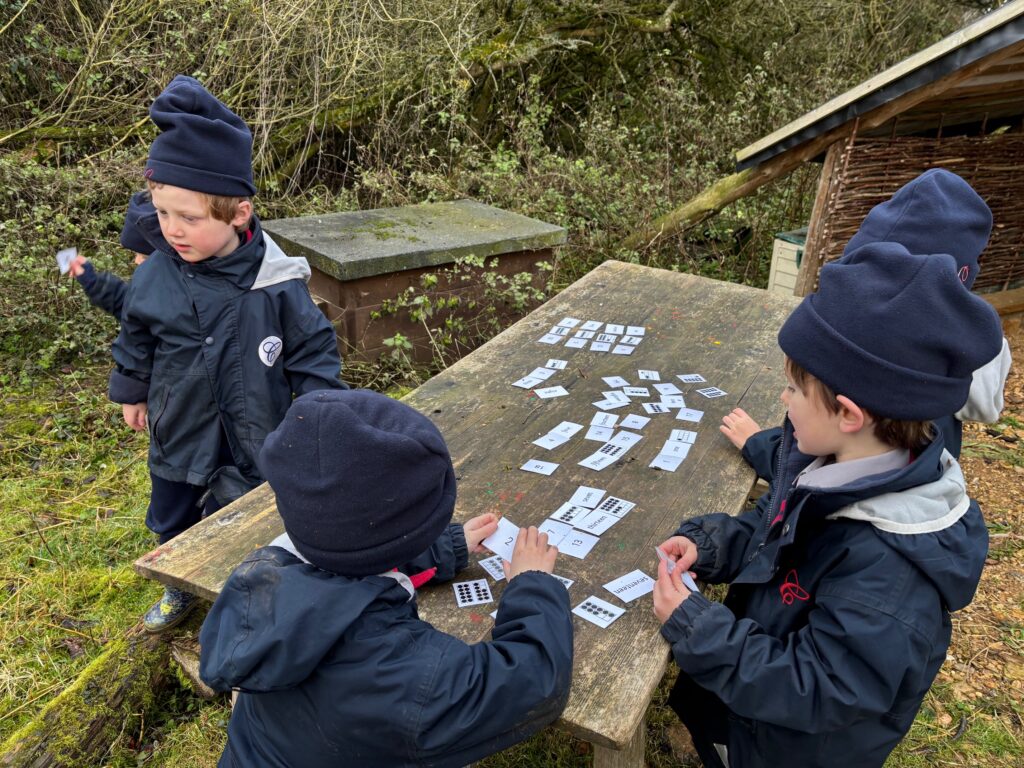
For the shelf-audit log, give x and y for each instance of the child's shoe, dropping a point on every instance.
(170, 611)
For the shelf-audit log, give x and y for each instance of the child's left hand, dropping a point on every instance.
(669, 592)
(479, 528)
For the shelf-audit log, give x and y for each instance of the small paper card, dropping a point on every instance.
(610, 338)
(547, 392)
(712, 392)
(527, 382)
(636, 391)
(555, 530)
(503, 540)
(575, 343)
(689, 414)
(615, 396)
(631, 586)
(601, 434)
(598, 461)
(551, 440)
(656, 408)
(577, 544)
(673, 401)
(691, 378)
(631, 340)
(566, 429)
(569, 322)
(566, 582)
(596, 523)
(636, 330)
(615, 506)
(586, 496)
(568, 513)
(493, 567)
(622, 349)
(540, 467)
(600, 346)
(559, 331)
(541, 373)
(64, 258)
(672, 448)
(615, 381)
(604, 420)
(625, 439)
(585, 335)
(609, 405)
(633, 421)
(618, 330)
(474, 592)
(670, 564)
(591, 325)
(667, 463)
(555, 364)
(597, 611)
(649, 375)
(668, 388)
(550, 338)
(683, 436)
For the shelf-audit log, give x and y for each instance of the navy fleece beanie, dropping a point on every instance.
(363, 482)
(893, 331)
(202, 145)
(938, 212)
(132, 237)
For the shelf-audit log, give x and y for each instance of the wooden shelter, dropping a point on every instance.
(958, 104)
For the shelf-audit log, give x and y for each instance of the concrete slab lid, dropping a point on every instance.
(359, 244)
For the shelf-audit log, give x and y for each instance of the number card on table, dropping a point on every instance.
(474, 592)
(597, 611)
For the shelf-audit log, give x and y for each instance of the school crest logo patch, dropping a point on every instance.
(270, 350)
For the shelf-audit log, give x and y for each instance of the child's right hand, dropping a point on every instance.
(479, 528)
(682, 550)
(77, 265)
(531, 553)
(738, 427)
(135, 415)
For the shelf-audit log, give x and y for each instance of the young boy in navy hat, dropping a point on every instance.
(936, 213)
(844, 575)
(218, 330)
(320, 632)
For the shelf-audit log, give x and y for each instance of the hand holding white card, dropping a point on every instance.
(64, 258)
(503, 540)
(670, 564)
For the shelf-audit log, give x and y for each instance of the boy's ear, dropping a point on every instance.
(242, 214)
(852, 418)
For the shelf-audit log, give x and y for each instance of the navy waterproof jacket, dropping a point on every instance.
(837, 620)
(218, 350)
(336, 671)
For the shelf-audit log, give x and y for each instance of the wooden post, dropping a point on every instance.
(813, 247)
(630, 757)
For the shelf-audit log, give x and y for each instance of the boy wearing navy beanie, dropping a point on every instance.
(844, 575)
(320, 633)
(218, 330)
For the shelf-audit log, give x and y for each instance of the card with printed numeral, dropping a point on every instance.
(622, 349)
(474, 592)
(692, 378)
(597, 611)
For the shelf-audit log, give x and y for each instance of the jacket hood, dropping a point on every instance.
(302, 613)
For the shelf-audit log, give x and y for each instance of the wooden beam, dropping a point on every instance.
(810, 263)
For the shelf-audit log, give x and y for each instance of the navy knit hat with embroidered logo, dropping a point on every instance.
(894, 331)
(938, 212)
(202, 145)
(363, 482)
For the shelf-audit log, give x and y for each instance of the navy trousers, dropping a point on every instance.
(705, 717)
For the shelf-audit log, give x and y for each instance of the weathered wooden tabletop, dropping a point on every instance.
(725, 332)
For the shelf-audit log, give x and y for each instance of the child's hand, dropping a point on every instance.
(669, 592)
(738, 426)
(681, 550)
(479, 528)
(135, 415)
(77, 265)
(531, 553)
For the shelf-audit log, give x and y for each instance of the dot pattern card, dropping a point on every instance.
(615, 506)
(568, 513)
(555, 364)
(692, 378)
(493, 567)
(712, 392)
(597, 611)
(474, 592)
(649, 375)
(656, 408)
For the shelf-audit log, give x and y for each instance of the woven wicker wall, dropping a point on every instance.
(869, 171)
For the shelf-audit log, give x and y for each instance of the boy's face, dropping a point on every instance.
(186, 223)
(815, 427)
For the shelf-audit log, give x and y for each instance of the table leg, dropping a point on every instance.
(630, 757)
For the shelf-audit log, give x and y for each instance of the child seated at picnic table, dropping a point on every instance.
(844, 575)
(320, 632)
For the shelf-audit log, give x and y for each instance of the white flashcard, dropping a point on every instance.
(631, 586)
(616, 397)
(625, 439)
(503, 540)
(577, 544)
(596, 523)
(689, 414)
(556, 364)
(474, 592)
(555, 530)
(600, 346)
(547, 392)
(569, 322)
(636, 391)
(672, 448)
(566, 429)
(575, 343)
(618, 330)
(610, 405)
(598, 461)
(656, 408)
(635, 330)
(668, 388)
(631, 340)
(550, 338)
(615, 381)
(615, 506)
(542, 373)
(665, 462)
(597, 611)
(540, 467)
(559, 331)
(604, 419)
(670, 564)
(591, 325)
(712, 392)
(565, 582)
(588, 497)
(683, 436)
(527, 382)
(568, 513)
(649, 375)
(673, 401)
(634, 421)
(584, 335)
(609, 337)
(551, 440)
(601, 434)
(622, 349)
(691, 378)
(494, 614)
(64, 258)
(493, 567)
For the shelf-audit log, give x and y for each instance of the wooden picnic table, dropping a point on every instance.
(723, 331)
